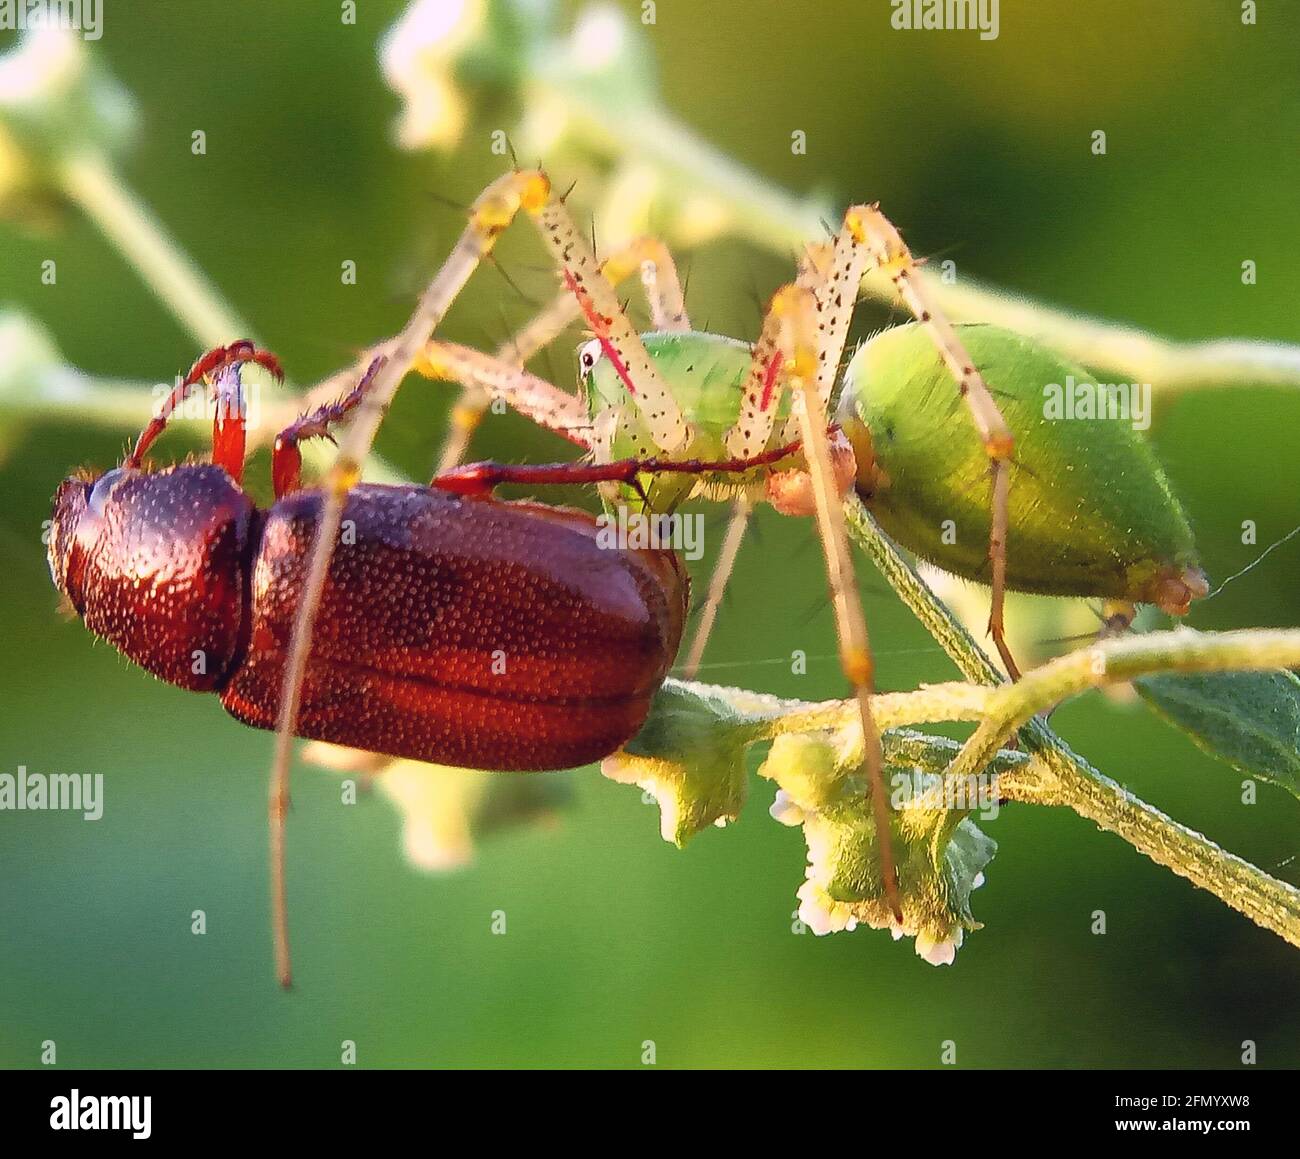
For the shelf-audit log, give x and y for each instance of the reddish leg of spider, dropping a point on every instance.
(286, 459)
(481, 478)
(210, 364)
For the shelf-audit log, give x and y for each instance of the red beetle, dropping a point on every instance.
(453, 628)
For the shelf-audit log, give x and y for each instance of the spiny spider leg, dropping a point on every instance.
(890, 252)
(663, 292)
(792, 320)
(492, 212)
(667, 427)
(812, 269)
(494, 377)
(663, 289)
(742, 508)
(494, 209)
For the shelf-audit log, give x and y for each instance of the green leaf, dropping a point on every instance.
(939, 853)
(1249, 719)
(690, 756)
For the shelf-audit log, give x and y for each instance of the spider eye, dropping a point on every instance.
(588, 355)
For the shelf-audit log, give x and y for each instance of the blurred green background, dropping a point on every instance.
(980, 152)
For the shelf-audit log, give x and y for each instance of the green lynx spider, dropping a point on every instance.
(654, 396)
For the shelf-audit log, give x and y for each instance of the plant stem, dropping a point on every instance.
(767, 717)
(1054, 776)
(90, 181)
(171, 274)
(971, 660)
(1058, 776)
(1116, 661)
(1268, 902)
(769, 217)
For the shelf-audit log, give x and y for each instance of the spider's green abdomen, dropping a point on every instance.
(1092, 513)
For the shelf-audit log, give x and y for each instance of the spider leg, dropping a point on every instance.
(663, 292)
(492, 212)
(491, 376)
(803, 340)
(741, 509)
(811, 271)
(890, 252)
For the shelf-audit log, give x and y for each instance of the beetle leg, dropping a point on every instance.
(209, 365)
(229, 429)
(890, 252)
(667, 312)
(286, 459)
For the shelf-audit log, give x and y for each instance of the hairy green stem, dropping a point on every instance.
(768, 717)
(971, 660)
(1072, 781)
(769, 217)
(89, 180)
(1115, 661)
(1268, 902)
